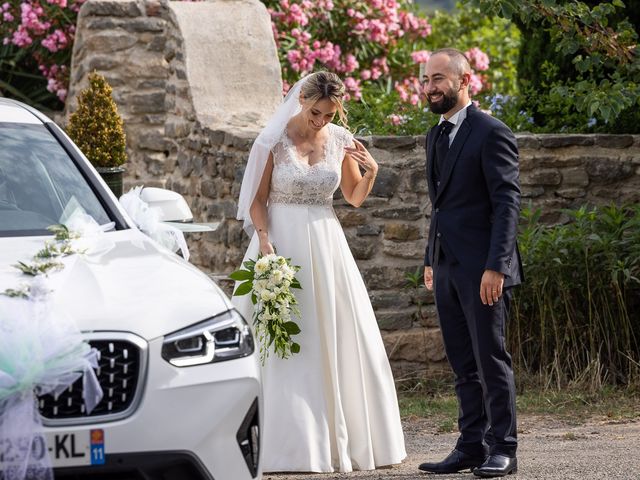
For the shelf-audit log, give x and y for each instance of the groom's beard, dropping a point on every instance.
(448, 101)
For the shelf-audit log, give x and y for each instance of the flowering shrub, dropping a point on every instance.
(375, 45)
(361, 40)
(37, 36)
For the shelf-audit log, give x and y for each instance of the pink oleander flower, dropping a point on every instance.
(365, 74)
(479, 60)
(55, 41)
(361, 27)
(381, 63)
(353, 88)
(350, 63)
(475, 84)
(396, 119)
(294, 58)
(30, 17)
(421, 56)
(326, 5)
(297, 15)
(402, 91)
(326, 54)
(21, 38)
(7, 17)
(378, 32)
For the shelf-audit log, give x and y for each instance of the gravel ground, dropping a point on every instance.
(548, 449)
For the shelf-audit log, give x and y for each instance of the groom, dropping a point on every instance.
(472, 261)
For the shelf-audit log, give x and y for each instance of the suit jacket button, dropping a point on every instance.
(438, 183)
(437, 210)
(438, 234)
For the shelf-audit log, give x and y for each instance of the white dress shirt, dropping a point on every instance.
(457, 119)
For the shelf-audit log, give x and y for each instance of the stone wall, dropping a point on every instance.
(388, 235)
(182, 137)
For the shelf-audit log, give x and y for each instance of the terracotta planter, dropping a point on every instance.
(113, 176)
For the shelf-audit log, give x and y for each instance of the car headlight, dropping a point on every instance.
(223, 337)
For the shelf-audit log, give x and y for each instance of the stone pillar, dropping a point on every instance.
(178, 68)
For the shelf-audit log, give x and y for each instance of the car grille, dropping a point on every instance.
(119, 368)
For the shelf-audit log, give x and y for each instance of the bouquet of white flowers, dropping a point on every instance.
(269, 280)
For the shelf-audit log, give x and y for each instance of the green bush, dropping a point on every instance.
(96, 127)
(576, 319)
(579, 67)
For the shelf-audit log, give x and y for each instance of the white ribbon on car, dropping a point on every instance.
(42, 351)
(147, 219)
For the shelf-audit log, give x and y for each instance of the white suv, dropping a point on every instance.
(178, 365)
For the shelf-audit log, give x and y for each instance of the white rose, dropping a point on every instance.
(277, 276)
(265, 296)
(262, 265)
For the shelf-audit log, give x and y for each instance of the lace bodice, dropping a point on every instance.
(295, 182)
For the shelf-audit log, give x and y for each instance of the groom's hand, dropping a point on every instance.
(428, 277)
(491, 287)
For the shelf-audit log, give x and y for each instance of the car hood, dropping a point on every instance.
(134, 286)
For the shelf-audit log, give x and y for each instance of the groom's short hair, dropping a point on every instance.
(459, 61)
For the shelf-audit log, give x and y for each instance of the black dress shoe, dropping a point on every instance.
(497, 466)
(455, 462)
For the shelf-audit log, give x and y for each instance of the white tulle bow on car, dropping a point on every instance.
(147, 219)
(42, 351)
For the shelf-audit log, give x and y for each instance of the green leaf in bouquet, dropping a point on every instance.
(295, 284)
(243, 289)
(250, 265)
(254, 299)
(292, 328)
(240, 275)
(295, 347)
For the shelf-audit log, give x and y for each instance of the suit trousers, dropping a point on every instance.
(474, 339)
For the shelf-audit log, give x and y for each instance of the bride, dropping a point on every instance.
(333, 406)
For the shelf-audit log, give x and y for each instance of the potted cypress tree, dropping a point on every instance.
(97, 129)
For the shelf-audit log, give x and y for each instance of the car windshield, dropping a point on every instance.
(39, 183)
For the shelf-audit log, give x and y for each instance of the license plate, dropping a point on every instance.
(66, 449)
(71, 449)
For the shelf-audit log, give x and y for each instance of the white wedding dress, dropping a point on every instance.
(333, 406)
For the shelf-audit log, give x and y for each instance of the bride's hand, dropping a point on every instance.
(361, 155)
(266, 248)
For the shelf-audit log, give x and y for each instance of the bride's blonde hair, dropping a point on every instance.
(321, 85)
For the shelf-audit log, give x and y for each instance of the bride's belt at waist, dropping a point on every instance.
(283, 199)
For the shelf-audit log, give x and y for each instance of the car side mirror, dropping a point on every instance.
(173, 209)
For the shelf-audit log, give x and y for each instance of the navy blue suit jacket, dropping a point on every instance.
(476, 206)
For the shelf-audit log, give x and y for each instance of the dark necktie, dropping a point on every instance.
(442, 146)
